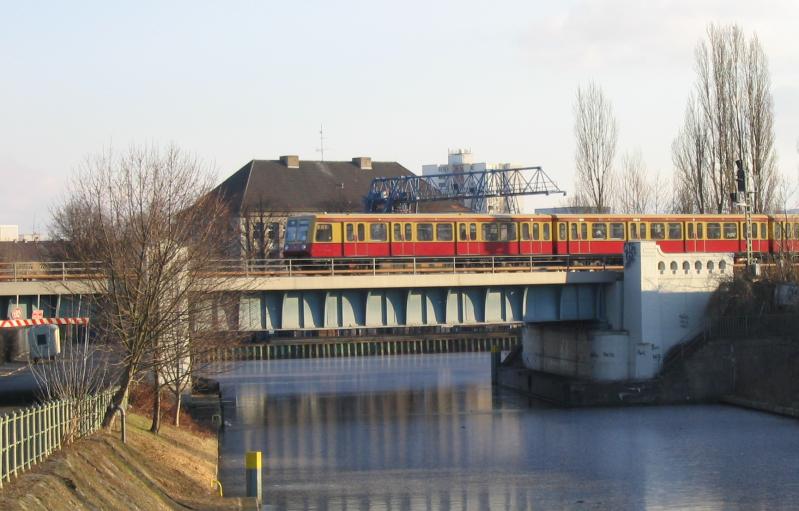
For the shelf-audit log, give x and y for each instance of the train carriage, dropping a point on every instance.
(448, 235)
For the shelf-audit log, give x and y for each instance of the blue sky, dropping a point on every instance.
(404, 81)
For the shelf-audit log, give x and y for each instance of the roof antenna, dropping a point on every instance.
(321, 148)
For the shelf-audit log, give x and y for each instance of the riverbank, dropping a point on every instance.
(172, 470)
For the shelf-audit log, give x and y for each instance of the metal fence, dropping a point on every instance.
(30, 435)
(63, 271)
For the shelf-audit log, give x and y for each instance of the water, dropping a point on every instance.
(427, 432)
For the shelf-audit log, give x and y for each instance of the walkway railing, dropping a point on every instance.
(30, 435)
(63, 271)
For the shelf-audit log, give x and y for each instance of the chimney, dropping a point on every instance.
(362, 162)
(291, 161)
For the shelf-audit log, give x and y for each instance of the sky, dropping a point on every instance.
(397, 81)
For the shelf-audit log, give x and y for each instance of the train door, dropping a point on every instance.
(525, 238)
(355, 239)
(402, 239)
(578, 238)
(467, 239)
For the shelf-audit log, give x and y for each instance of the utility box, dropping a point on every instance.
(44, 341)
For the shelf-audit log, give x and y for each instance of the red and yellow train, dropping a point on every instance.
(423, 235)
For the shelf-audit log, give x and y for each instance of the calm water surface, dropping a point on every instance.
(427, 432)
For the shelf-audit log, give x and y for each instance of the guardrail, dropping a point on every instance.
(28, 271)
(28, 436)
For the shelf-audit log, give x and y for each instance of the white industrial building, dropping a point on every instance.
(462, 160)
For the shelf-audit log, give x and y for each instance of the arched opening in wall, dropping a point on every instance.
(661, 266)
(673, 266)
(710, 266)
(686, 266)
(698, 266)
(722, 266)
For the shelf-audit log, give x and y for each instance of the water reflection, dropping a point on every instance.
(426, 432)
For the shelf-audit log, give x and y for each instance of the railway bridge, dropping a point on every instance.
(589, 318)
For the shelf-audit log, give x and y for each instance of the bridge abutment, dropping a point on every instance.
(660, 304)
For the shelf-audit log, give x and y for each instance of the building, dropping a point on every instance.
(264, 192)
(462, 160)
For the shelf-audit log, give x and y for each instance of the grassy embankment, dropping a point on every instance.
(172, 470)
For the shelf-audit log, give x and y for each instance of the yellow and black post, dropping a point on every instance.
(252, 461)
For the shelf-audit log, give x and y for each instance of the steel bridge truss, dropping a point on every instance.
(402, 194)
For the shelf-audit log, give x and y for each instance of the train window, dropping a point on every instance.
(730, 231)
(397, 232)
(324, 232)
(562, 231)
(490, 232)
(642, 230)
(617, 231)
(472, 232)
(546, 232)
(777, 231)
(536, 232)
(583, 231)
(658, 231)
(599, 231)
(754, 231)
(444, 232)
(424, 232)
(574, 232)
(377, 232)
(633, 231)
(462, 236)
(690, 230)
(796, 231)
(788, 232)
(350, 232)
(507, 231)
(699, 233)
(763, 231)
(526, 231)
(714, 231)
(408, 232)
(361, 232)
(675, 231)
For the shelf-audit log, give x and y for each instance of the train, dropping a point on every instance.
(355, 235)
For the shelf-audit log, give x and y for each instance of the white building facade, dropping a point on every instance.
(462, 160)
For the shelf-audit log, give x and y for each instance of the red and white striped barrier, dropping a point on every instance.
(16, 323)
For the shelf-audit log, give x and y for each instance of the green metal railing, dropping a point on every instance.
(30, 435)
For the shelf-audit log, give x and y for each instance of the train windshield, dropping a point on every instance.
(297, 230)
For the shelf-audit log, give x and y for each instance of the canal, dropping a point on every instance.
(428, 432)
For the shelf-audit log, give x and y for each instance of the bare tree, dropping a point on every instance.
(596, 134)
(75, 374)
(145, 218)
(730, 117)
(636, 192)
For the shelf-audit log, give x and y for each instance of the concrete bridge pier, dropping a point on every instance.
(660, 304)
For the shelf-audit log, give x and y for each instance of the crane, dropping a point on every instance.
(404, 193)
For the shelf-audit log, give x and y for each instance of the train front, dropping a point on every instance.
(297, 243)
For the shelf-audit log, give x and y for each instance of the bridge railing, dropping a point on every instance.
(65, 270)
(48, 270)
(413, 265)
